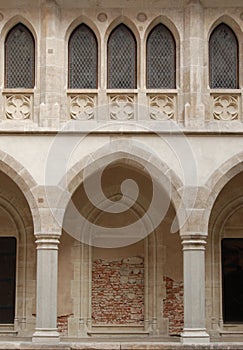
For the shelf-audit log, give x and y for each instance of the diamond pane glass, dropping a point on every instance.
(19, 58)
(160, 59)
(223, 57)
(122, 59)
(82, 59)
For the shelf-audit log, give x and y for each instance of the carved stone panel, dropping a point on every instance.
(225, 107)
(82, 107)
(162, 107)
(122, 107)
(18, 106)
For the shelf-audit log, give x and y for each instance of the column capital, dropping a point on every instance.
(194, 241)
(47, 241)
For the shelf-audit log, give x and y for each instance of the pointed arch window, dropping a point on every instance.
(161, 59)
(19, 58)
(122, 59)
(223, 58)
(83, 58)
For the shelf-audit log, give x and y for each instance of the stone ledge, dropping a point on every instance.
(117, 345)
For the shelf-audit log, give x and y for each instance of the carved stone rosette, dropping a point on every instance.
(82, 107)
(226, 107)
(162, 107)
(122, 107)
(18, 106)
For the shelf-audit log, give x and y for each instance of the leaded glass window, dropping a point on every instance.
(223, 58)
(161, 54)
(19, 58)
(83, 59)
(122, 57)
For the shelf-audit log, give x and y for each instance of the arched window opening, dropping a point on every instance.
(122, 59)
(83, 57)
(161, 59)
(19, 58)
(223, 58)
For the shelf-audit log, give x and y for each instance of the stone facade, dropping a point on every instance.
(120, 199)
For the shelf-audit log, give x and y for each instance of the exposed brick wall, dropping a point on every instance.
(173, 305)
(118, 291)
(62, 324)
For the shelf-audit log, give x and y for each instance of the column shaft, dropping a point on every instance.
(46, 304)
(194, 290)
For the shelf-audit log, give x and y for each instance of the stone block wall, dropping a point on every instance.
(173, 305)
(118, 291)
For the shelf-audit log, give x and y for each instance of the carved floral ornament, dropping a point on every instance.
(82, 107)
(225, 107)
(18, 107)
(122, 107)
(162, 107)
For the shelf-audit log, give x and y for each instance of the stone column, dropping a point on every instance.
(46, 296)
(194, 289)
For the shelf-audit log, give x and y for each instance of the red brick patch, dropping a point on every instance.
(173, 306)
(62, 324)
(118, 291)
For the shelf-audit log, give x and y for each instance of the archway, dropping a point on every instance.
(121, 282)
(17, 256)
(224, 259)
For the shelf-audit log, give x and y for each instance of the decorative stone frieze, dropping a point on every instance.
(18, 106)
(122, 107)
(162, 107)
(225, 107)
(82, 106)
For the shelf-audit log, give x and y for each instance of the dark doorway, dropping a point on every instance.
(232, 278)
(7, 279)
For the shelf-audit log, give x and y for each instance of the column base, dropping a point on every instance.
(46, 336)
(194, 335)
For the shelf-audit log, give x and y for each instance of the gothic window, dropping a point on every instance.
(19, 58)
(223, 58)
(122, 57)
(161, 53)
(83, 54)
(232, 279)
(7, 279)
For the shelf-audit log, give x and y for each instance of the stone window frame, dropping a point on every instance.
(234, 46)
(32, 68)
(91, 32)
(174, 64)
(135, 73)
(24, 110)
